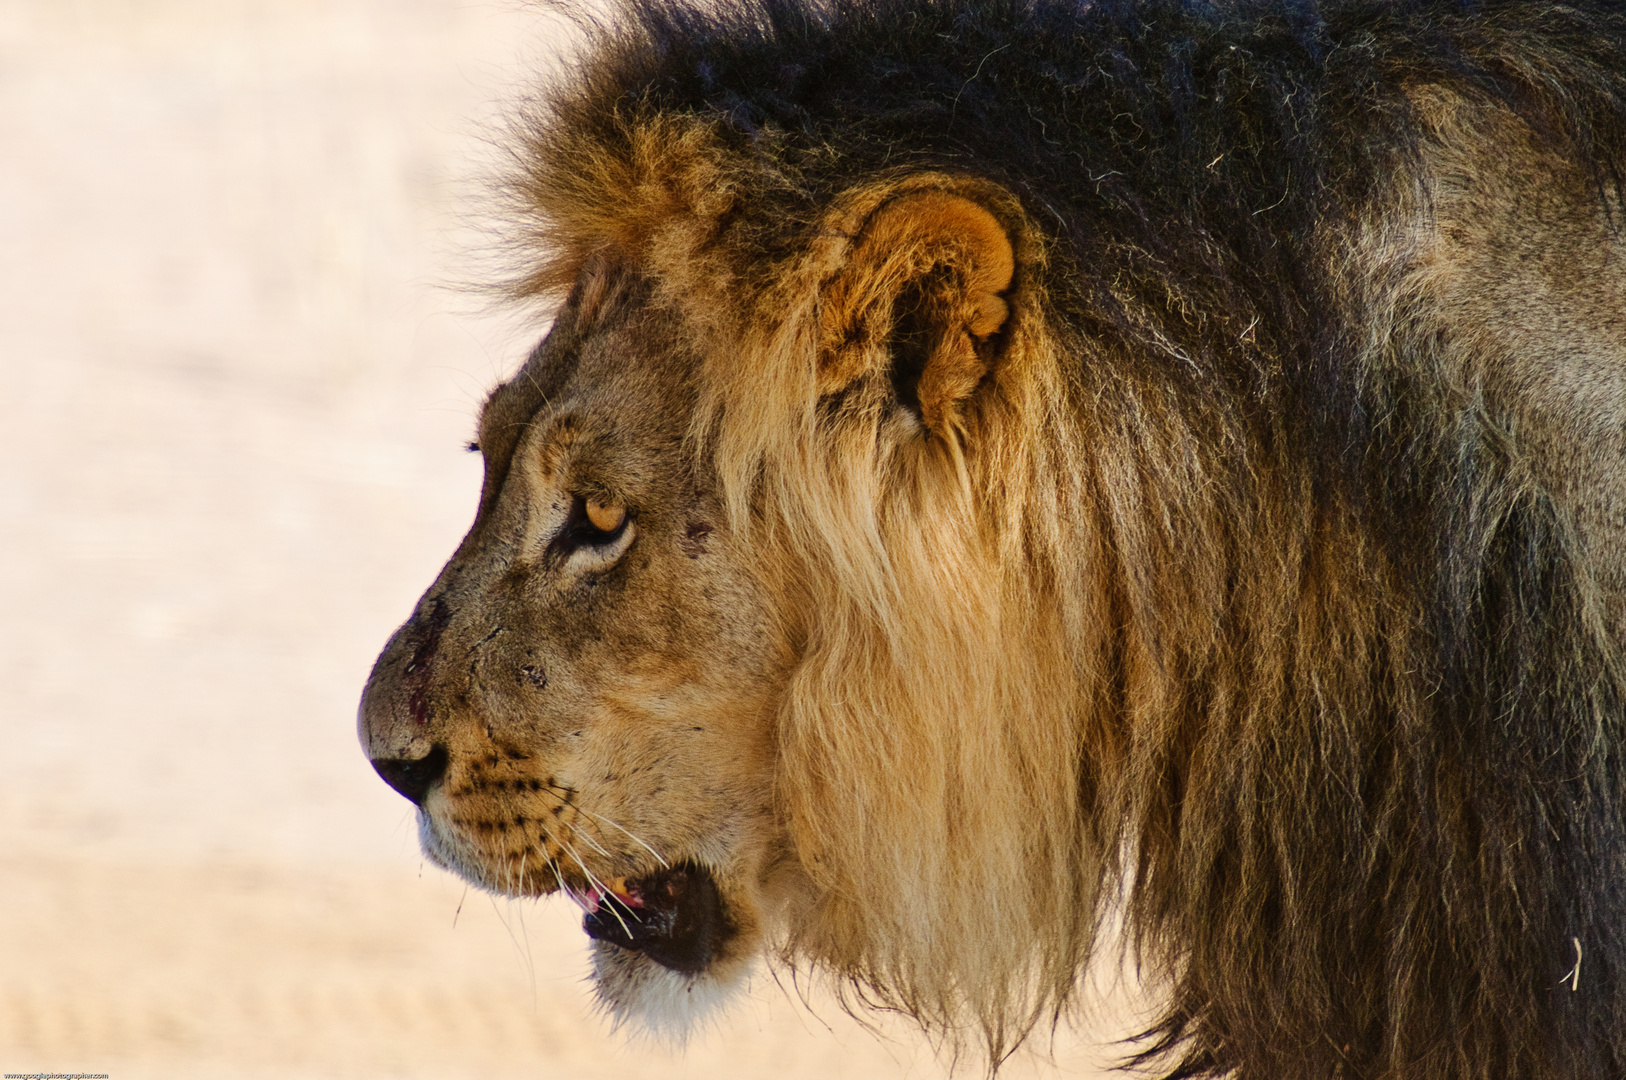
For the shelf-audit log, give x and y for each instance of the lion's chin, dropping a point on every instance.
(669, 950)
(643, 995)
(665, 950)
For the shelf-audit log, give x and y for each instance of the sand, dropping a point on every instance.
(236, 386)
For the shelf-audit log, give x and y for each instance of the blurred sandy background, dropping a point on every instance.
(233, 392)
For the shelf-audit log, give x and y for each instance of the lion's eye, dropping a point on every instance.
(606, 518)
(591, 524)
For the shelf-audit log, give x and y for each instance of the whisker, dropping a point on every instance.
(504, 919)
(593, 843)
(525, 933)
(555, 789)
(559, 875)
(631, 836)
(593, 880)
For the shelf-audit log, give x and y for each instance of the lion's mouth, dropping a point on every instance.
(675, 917)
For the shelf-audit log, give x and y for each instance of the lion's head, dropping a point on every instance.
(998, 466)
(721, 655)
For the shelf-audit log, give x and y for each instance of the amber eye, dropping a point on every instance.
(605, 517)
(592, 524)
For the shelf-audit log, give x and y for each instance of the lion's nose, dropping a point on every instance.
(413, 777)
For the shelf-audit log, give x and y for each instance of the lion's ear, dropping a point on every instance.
(923, 293)
(600, 283)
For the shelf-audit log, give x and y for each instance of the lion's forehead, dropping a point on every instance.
(627, 387)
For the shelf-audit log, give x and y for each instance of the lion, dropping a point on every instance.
(1001, 469)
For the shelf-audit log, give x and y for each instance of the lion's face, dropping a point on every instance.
(581, 701)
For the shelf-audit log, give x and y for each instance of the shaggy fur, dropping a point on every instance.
(1250, 550)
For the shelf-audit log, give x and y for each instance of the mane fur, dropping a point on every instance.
(1224, 604)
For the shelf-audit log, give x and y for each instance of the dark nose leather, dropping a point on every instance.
(413, 777)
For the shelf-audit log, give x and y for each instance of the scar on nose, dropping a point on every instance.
(418, 670)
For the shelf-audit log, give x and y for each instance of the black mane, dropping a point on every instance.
(1191, 143)
(1186, 156)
